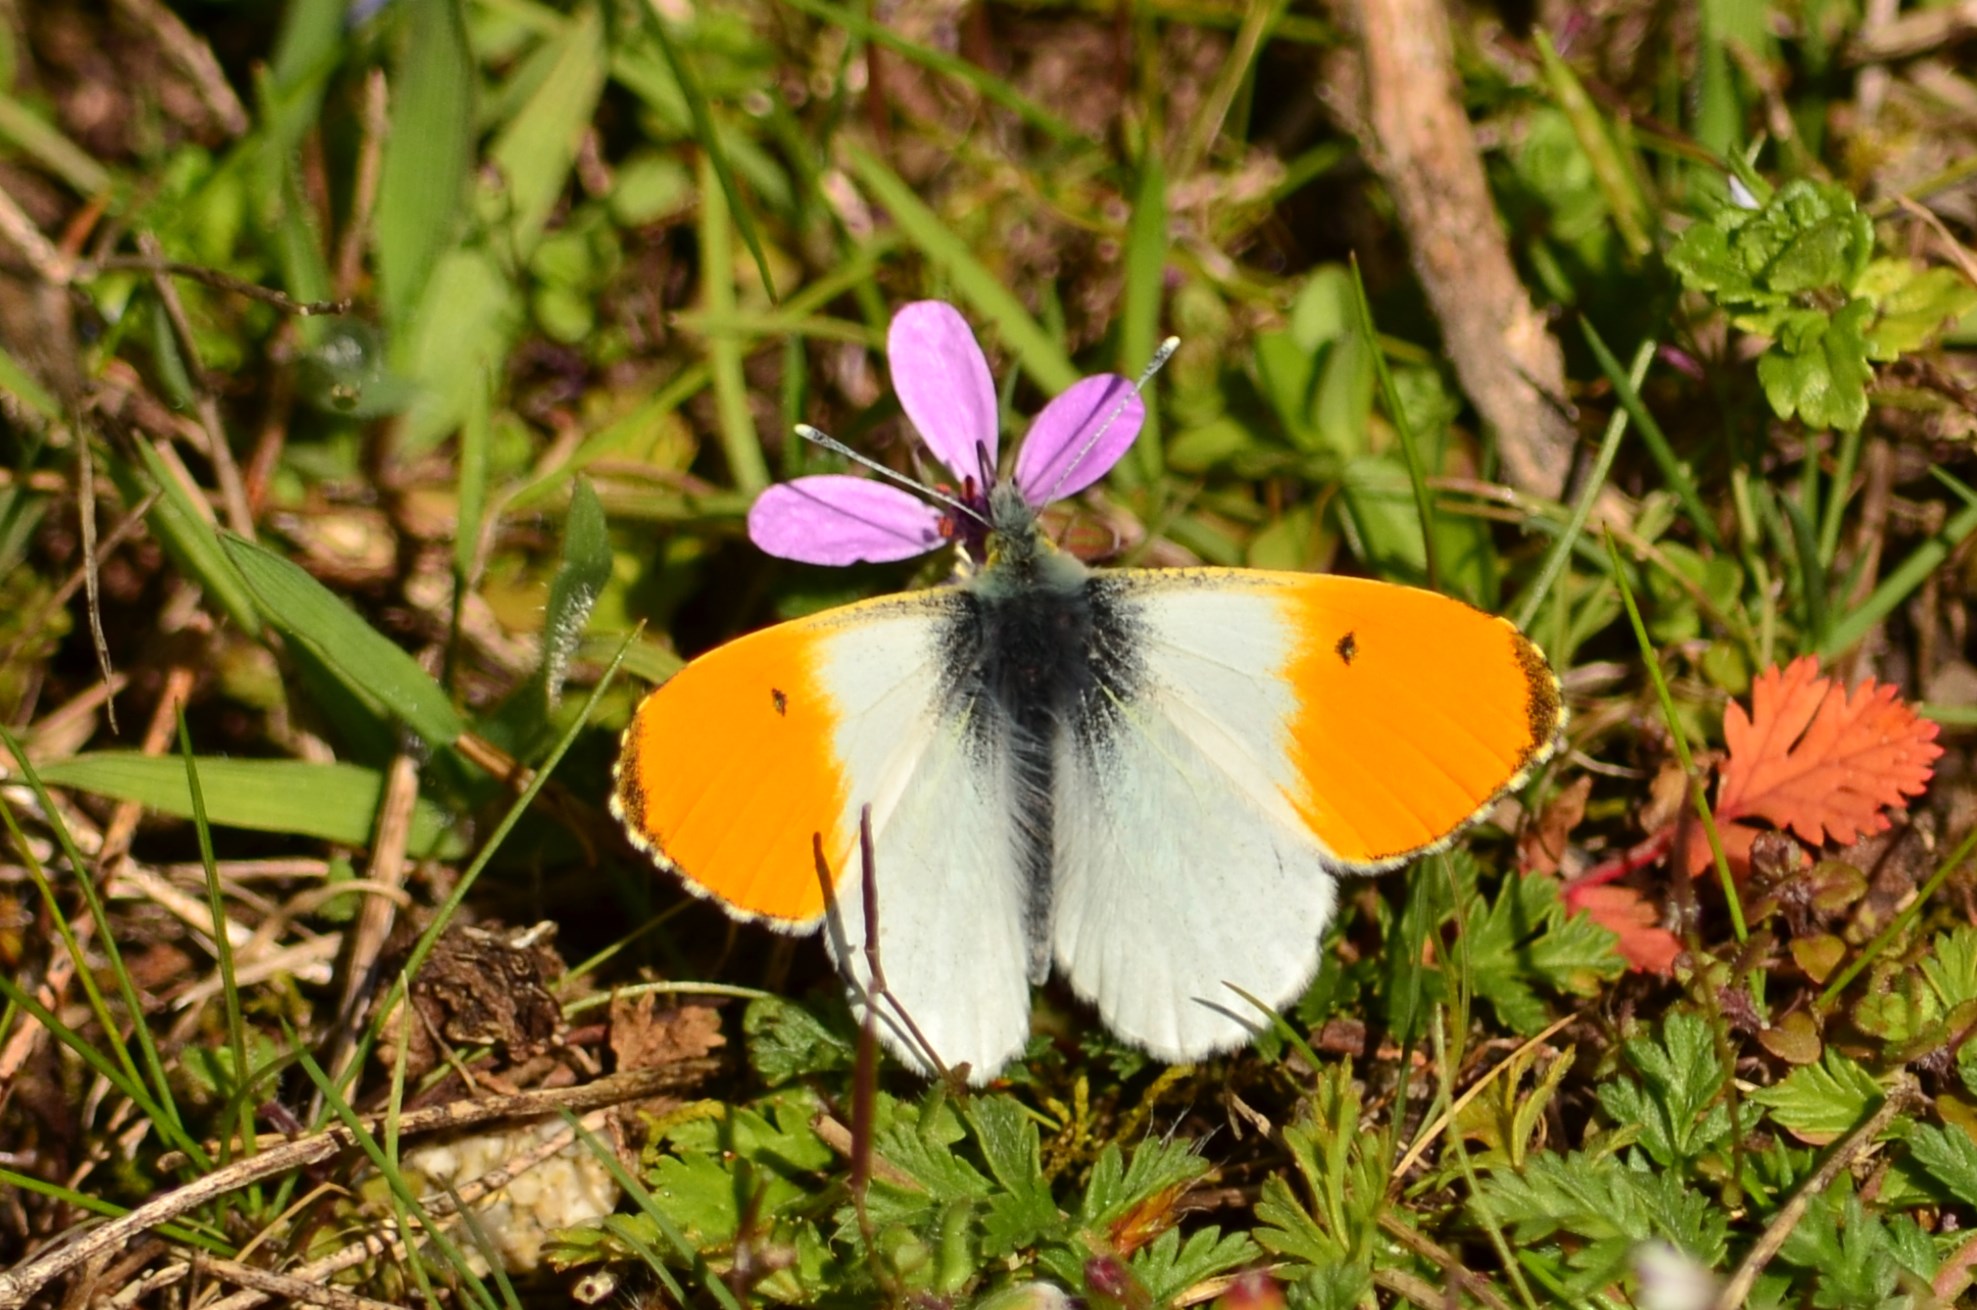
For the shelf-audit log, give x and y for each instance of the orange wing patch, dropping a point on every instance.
(1414, 713)
(728, 775)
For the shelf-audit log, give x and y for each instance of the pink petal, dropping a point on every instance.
(943, 383)
(1059, 457)
(834, 519)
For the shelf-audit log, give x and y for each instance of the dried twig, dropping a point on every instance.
(1422, 147)
(1856, 1145)
(278, 1156)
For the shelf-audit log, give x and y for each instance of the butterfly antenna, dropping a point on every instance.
(817, 437)
(1154, 365)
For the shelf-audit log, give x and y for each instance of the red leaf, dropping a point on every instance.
(1812, 758)
(1621, 910)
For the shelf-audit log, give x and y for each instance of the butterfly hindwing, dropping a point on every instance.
(759, 755)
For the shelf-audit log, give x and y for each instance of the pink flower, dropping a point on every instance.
(943, 383)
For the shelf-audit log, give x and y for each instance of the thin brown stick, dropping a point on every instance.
(363, 198)
(278, 1155)
(1417, 1242)
(1425, 152)
(377, 913)
(212, 277)
(287, 1286)
(126, 528)
(195, 59)
(92, 574)
(1856, 1145)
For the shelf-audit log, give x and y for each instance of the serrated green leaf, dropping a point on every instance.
(1820, 1102)
(332, 802)
(1170, 1265)
(786, 1041)
(1023, 1211)
(1605, 1208)
(920, 1142)
(1704, 260)
(1119, 1183)
(1846, 1252)
(1676, 1100)
(1524, 937)
(1949, 1157)
(364, 658)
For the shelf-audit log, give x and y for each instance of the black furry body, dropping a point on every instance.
(1038, 658)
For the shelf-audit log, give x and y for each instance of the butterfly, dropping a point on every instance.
(1148, 780)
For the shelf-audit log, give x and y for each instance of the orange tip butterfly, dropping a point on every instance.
(1147, 779)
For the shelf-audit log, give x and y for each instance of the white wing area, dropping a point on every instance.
(1181, 866)
(950, 894)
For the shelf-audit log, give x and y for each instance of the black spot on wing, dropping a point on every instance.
(1347, 648)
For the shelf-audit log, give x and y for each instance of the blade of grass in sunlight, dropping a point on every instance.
(1417, 476)
(1025, 338)
(404, 1196)
(443, 915)
(222, 943)
(535, 150)
(1617, 181)
(1143, 298)
(1561, 549)
(31, 393)
(331, 802)
(160, 1104)
(650, 1209)
(735, 206)
(1904, 578)
(1673, 472)
(187, 535)
(307, 611)
(739, 440)
(1651, 660)
(428, 157)
(44, 143)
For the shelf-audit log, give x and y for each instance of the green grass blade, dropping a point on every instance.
(429, 154)
(536, 150)
(1650, 658)
(1139, 314)
(712, 153)
(1417, 475)
(329, 802)
(443, 915)
(307, 611)
(1035, 350)
(740, 442)
(187, 535)
(222, 942)
(1673, 471)
(44, 143)
(20, 382)
(1560, 553)
(1899, 584)
(163, 1109)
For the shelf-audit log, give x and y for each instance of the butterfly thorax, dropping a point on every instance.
(1024, 652)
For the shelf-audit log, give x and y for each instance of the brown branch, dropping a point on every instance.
(1420, 143)
(280, 1155)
